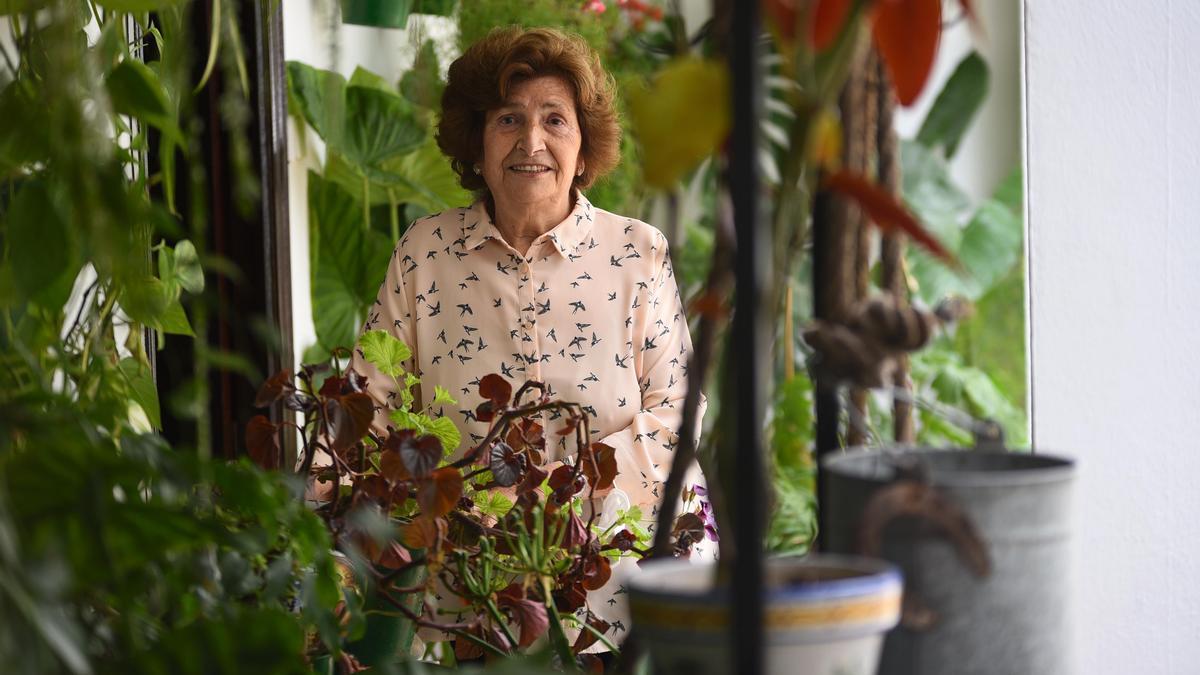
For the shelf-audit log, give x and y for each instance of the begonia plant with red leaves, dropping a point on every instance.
(514, 540)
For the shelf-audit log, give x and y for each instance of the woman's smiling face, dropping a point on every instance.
(531, 144)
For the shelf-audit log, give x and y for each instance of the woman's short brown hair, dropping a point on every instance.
(481, 78)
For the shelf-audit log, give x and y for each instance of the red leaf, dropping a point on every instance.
(906, 33)
(421, 454)
(596, 572)
(565, 483)
(586, 637)
(373, 486)
(485, 412)
(392, 467)
(332, 387)
(361, 409)
(886, 212)
(623, 541)
(569, 426)
(570, 597)
(262, 442)
(496, 389)
(438, 495)
(577, 533)
(349, 419)
(506, 464)
(423, 532)
(394, 556)
(602, 458)
(529, 614)
(466, 650)
(533, 479)
(274, 389)
(829, 17)
(783, 14)
(691, 524)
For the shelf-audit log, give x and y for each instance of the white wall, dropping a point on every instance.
(1113, 147)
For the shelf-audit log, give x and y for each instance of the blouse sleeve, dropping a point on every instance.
(645, 448)
(391, 312)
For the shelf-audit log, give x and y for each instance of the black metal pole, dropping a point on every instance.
(828, 406)
(750, 343)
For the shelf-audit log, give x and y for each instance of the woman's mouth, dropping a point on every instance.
(529, 169)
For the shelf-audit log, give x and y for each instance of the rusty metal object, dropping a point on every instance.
(915, 498)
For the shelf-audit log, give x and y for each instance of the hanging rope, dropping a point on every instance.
(859, 119)
(892, 244)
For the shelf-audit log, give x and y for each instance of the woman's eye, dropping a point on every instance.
(507, 119)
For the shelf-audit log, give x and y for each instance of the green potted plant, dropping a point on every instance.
(417, 521)
(120, 553)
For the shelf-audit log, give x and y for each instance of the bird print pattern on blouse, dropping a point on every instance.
(592, 310)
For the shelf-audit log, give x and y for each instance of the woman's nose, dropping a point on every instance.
(532, 139)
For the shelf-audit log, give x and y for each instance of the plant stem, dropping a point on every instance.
(558, 637)
(494, 611)
(584, 625)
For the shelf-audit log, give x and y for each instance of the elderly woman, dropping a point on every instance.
(532, 281)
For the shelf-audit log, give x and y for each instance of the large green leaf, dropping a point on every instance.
(991, 245)
(321, 96)
(967, 389)
(150, 302)
(994, 338)
(431, 183)
(21, 140)
(792, 425)
(956, 105)
(928, 190)
(8, 7)
(384, 351)
(137, 91)
(40, 249)
(349, 262)
(141, 388)
(379, 125)
(1011, 191)
(138, 5)
(361, 77)
(187, 267)
(423, 178)
(179, 268)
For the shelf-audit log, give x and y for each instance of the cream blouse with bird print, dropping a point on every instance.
(592, 310)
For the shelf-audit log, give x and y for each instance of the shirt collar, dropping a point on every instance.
(567, 236)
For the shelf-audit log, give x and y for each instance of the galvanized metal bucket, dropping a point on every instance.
(983, 541)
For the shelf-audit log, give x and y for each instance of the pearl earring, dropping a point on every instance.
(477, 170)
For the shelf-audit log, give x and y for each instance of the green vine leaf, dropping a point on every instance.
(141, 388)
(137, 91)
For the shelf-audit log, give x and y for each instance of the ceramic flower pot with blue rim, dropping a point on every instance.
(825, 615)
